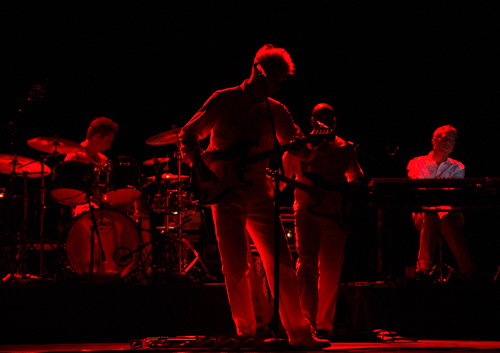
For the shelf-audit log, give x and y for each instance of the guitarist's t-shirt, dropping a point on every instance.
(335, 162)
(232, 119)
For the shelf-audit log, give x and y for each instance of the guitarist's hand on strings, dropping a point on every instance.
(271, 173)
(299, 148)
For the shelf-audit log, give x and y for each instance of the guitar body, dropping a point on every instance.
(229, 177)
(330, 205)
(332, 200)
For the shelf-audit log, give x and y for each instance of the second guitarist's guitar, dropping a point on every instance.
(331, 200)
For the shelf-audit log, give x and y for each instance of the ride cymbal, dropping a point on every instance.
(164, 138)
(160, 160)
(55, 144)
(23, 165)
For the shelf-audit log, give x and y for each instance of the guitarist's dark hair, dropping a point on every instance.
(103, 126)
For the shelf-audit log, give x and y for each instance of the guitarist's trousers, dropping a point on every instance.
(320, 246)
(253, 209)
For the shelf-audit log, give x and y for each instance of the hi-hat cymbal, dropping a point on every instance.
(171, 177)
(23, 165)
(55, 144)
(164, 138)
(160, 160)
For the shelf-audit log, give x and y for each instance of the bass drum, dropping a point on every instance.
(120, 243)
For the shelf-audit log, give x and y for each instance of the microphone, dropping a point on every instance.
(260, 70)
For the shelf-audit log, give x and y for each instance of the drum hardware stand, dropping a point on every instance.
(182, 251)
(23, 249)
(42, 206)
(94, 231)
(161, 203)
(22, 253)
(183, 270)
(42, 210)
(124, 260)
(20, 258)
(184, 244)
(165, 193)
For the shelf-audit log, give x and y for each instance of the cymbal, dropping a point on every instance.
(160, 160)
(170, 177)
(51, 144)
(164, 138)
(24, 165)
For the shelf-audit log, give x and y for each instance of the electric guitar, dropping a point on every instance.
(332, 200)
(229, 173)
(229, 166)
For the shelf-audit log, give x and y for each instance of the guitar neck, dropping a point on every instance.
(301, 186)
(314, 139)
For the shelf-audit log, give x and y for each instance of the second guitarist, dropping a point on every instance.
(319, 233)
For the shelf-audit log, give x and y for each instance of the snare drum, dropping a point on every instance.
(124, 182)
(120, 241)
(73, 181)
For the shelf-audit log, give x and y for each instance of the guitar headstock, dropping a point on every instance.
(319, 135)
(322, 131)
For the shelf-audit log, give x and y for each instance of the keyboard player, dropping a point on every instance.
(438, 165)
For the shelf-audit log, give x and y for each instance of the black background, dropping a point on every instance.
(393, 71)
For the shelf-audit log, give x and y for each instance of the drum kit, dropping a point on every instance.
(110, 236)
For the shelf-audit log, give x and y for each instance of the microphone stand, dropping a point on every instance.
(94, 231)
(277, 222)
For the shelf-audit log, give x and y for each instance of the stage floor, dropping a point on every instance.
(90, 317)
(419, 346)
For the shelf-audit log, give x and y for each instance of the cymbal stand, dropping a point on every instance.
(20, 262)
(42, 210)
(182, 251)
(184, 269)
(42, 207)
(161, 205)
(24, 247)
(24, 228)
(184, 244)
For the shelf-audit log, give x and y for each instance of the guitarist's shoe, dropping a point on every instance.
(311, 342)
(243, 343)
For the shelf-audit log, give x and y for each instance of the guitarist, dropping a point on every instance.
(234, 117)
(320, 240)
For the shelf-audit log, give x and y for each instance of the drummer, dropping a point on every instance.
(100, 135)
